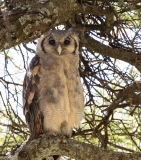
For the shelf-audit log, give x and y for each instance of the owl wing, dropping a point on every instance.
(31, 108)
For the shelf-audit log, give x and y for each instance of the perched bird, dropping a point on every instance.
(53, 100)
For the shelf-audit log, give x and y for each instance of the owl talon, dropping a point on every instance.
(65, 139)
(51, 133)
(56, 134)
(41, 135)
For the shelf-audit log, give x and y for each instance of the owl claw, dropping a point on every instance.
(41, 135)
(49, 134)
(65, 139)
(56, 134)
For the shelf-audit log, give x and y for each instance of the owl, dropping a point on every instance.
(53, 100)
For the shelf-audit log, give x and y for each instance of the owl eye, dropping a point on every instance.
(66, 41)
(52, 41)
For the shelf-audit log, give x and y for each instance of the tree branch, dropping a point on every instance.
(117, 53)
(25, 23)
(44, 147)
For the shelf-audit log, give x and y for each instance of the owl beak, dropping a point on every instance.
(59, 49)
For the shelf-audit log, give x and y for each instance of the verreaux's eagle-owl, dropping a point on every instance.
(53, 99)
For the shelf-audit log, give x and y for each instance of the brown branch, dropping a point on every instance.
(8, 82)
(121, 54)
(128, 94)
(120, 147)
(29, 22)
(44, 147)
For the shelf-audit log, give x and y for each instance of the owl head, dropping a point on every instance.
(59, 42)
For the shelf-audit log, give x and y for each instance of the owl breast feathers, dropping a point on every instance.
(53, 99)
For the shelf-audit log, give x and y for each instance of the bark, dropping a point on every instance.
(25, 23)
(43, 147)
(117, 53)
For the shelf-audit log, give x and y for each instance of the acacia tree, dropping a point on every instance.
(110, 66)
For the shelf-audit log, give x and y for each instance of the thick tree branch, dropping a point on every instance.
(17, 3)
(43, 147)
(23, 24)
(117, 53)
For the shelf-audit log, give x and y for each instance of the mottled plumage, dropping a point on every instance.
(53, 94)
